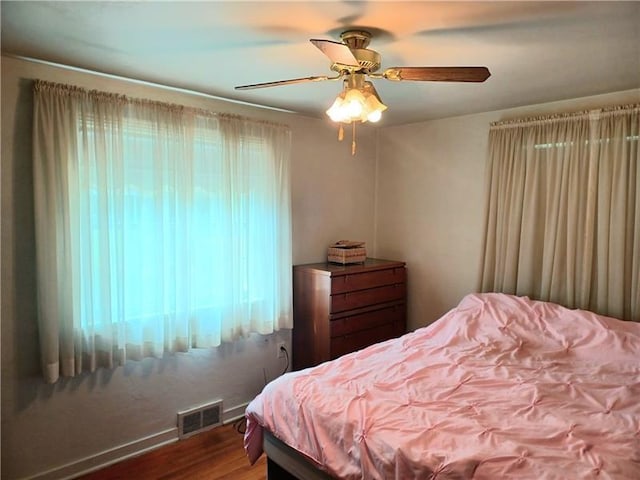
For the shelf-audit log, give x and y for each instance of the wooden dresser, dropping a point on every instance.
(338, 309)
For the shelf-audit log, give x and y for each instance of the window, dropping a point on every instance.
(171, 227)
(563, 213)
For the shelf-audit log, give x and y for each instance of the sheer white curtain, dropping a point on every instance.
(158, 228)
(563, 214)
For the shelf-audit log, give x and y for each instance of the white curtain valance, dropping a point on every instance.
(72, 91)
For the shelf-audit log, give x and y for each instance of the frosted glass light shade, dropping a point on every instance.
(357, 105)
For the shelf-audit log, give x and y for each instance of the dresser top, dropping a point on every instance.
(369, 264)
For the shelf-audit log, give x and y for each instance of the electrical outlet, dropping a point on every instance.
(281, 346)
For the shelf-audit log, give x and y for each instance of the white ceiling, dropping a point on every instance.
(536, 51)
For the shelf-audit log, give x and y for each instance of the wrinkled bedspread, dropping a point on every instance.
(501, 387)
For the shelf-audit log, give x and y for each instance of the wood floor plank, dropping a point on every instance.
(214, 455)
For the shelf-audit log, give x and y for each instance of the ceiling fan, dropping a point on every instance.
(353, 61)
(351, 56)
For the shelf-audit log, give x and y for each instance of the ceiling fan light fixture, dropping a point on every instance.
(374, 116)
(335, 112)
(374, 107)
(354, 104)
(357, 102)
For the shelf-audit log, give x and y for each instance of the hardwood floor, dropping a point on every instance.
(214, 455)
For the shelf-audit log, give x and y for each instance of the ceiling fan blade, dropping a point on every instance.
(282, 82)
(336, 51)
(438, 74)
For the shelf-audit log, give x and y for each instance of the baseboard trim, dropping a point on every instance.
(234, 413)
(125, 451)
(108, 457)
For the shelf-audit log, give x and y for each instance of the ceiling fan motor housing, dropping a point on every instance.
(357, 41)
(369, 60)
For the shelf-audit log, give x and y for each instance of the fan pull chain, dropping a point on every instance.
(353, 139)
(340, 133)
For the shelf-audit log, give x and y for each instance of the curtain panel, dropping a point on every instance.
(158, 228)
(563, 210)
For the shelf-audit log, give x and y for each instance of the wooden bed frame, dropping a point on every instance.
(285, 463)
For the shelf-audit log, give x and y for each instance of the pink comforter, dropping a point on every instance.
(500, 387)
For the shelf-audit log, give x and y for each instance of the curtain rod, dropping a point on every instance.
(593, 114)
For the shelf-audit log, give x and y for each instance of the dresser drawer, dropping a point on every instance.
(359, 281)
(362, 298)
(353, 323)
(358, 340)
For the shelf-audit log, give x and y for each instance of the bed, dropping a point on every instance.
(499, 387)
